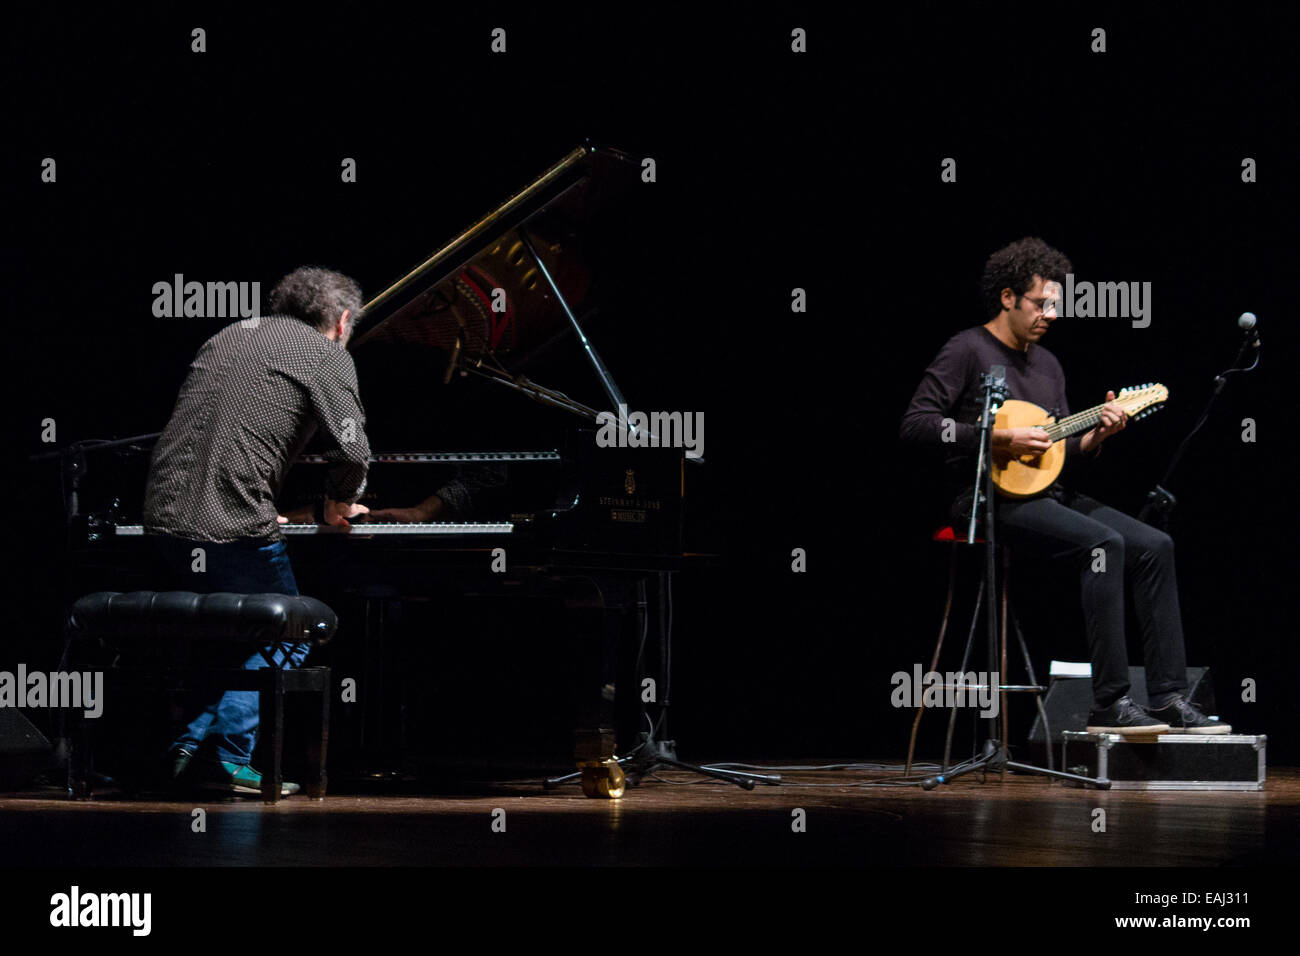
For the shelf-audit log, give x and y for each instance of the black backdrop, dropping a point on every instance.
(775, 171)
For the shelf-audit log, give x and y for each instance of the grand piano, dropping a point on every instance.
(597, 528)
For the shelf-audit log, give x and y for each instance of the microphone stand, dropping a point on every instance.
(994, 755)
(1160, 503)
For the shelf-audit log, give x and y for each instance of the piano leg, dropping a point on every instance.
(597, 611)
(379, 691)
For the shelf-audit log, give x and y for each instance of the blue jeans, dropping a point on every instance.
(228, 727)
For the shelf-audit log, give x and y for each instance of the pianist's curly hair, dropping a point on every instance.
(317, 296)
(1014, 267)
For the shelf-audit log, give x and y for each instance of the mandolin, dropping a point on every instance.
(1027, 475)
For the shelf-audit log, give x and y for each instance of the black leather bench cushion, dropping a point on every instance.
(155, 616)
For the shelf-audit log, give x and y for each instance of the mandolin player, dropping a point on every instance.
(1020, 287)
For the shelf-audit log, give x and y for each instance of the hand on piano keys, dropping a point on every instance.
(303, 515)
(337, 513)
(417, 520)
(367, 529)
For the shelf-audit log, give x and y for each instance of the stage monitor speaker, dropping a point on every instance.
(24, 751)
(1069, 700)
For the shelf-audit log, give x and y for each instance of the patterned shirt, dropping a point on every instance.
(256, 393)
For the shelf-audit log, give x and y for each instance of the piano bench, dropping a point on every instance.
(150, 637)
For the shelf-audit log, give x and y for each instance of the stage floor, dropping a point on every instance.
(1024, 821)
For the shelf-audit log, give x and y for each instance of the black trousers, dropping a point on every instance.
(1069, 528)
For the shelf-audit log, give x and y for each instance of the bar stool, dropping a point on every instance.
(948, 535)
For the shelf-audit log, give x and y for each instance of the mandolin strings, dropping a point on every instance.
(1073, 424)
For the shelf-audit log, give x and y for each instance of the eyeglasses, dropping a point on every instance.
(1041, 305)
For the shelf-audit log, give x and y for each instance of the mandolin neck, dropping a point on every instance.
(1074, 424)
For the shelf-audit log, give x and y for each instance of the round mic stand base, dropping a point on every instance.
(609, 777)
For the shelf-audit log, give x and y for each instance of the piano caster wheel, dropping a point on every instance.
(603, 780)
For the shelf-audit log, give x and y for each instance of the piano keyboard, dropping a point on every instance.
(374, 527)
(444, 457)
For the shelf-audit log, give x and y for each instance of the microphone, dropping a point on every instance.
(1246, 322)
(998, 384)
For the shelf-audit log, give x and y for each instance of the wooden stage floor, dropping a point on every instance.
(1024, 821)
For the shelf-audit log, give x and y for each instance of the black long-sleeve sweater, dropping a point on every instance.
(950, 389)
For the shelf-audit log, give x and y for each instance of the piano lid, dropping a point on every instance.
(564, 214)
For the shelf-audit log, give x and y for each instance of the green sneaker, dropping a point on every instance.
(223, 777)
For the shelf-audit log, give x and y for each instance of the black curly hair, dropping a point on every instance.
(317, 296)
(1014, 267)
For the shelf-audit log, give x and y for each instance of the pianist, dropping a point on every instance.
(256, 392)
